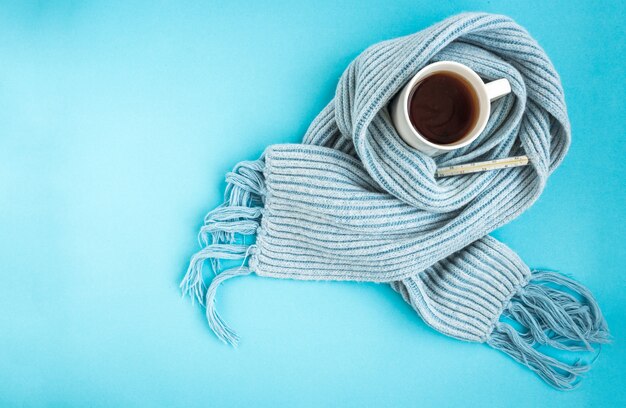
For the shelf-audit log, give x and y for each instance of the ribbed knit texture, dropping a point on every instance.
(354, 202)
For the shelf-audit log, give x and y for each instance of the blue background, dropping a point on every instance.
(117, 124)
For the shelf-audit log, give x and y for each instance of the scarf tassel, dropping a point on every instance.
(551, 311)
(225, 236)
(219, 327)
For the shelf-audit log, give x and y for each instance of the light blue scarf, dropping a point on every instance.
(354, 202)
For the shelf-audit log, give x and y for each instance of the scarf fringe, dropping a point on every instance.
(551, 311)
(219, 327)
(224, 237)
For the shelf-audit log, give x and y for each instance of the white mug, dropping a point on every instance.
(485, 93)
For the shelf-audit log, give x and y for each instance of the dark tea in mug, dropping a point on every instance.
(443, 107)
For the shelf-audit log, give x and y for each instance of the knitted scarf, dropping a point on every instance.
(354, 202)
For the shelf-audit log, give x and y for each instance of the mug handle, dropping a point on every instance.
(497, 89)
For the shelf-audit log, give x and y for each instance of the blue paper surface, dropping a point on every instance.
(118, 121)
